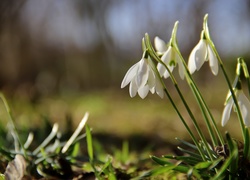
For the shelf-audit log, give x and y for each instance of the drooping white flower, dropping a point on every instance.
(160, 45)
(142, 79)
(244, 106)
(170, 58)
(203, 52)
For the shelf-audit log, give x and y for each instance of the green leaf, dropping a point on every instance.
(221, 173)
(186, 170)
(246, 145)
(89, 143)
(105, 166)
(233, 148)
(2, 177)
(215, 163)
(75, 149)
(158, 171)
(203, 165)
(187, 143)
(125, 151)
(187, 159)
(160, 161)
(198, 156)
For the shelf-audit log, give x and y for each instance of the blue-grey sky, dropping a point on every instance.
(126, 21)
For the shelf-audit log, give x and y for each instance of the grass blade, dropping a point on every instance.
(89, 144)
(76, 133)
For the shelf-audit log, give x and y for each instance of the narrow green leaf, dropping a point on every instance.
(187, 159)
(203, 165)
(158, 171)
(89, 143)
(75, 149)
(198, 156)
(160, 161)
(125, 151)
(105, 166)
(221, 173)
(246, 145)
(187, 143)
(186, 169)
(215, 163)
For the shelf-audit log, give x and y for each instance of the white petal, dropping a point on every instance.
(143, 91)
(191, 62)
(166, 58)
(133, 88)
(227, 111)
(213, 61)
(197, 56)
(244, 107)
(151, 79)
(130, 75)
(201, 53)
(159, 88)
(180, 66)
(160, 45)
(166, 74)
(161, 69)
(142, 74)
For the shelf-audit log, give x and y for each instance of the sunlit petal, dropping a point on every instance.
(161, 69)
(227, 111)
(166, 60)
(180, 66)
(143, 91)
(131, 73)
(142, 74)
(191, 60)
(133, 88)
(213, 61)
(200, 54)
(166, 73)
(142, 78)
(160, 45)
(159, 88)
(244, 107)
(151, 79)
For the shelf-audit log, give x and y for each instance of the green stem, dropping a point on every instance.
(200, 100)
(230, 89)
(153, 54)
(207, 110)
(206, 30)
(185, 124)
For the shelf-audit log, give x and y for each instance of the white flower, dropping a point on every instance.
(202, 52)
(244, 106)
(142, 79)
(160, 45)
(170, 57)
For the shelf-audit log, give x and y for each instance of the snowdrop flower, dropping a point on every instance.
(244, 105)
(142, 79)
(203, 52)
(160, 45)
(170, 57)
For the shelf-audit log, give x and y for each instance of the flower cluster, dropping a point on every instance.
(159, 62)
(142, 79)
(145, 76)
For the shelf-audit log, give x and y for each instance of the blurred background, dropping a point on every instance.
(61, 58)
